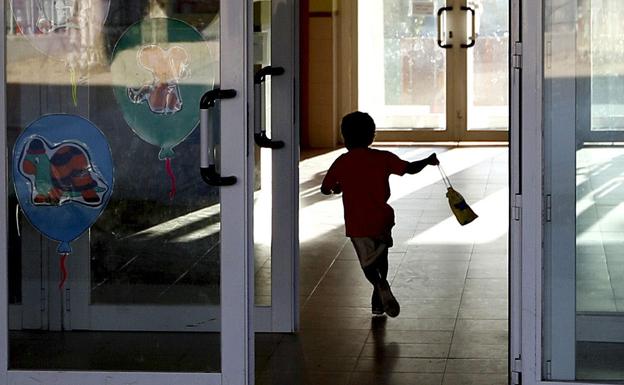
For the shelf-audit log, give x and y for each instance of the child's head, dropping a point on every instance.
(358, 130)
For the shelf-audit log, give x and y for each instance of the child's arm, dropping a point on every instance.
(417, 166)
(330, 182)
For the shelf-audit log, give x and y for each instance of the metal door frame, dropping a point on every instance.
(237, 299)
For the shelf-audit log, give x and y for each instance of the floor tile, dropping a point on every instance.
(367, 378)
(474, 379)
(477, 366)
(388, 363)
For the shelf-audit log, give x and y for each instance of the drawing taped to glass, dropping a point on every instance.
(159, 76)
(59, 174)
(168, 67)
(63, 177)
(65, 30)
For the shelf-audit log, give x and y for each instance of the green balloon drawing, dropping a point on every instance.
(159, 75)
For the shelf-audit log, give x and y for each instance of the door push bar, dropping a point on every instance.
(440, 43)
(208, 168)
(260, 136)
(473, 37)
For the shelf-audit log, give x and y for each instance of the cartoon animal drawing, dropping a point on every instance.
(61, 174)
(168, 67)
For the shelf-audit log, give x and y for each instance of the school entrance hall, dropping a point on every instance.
(280, 192)
(451, 282)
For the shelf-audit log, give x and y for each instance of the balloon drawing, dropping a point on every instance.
(168, 68)
(68, 30)
(63, 177)
(159, 75)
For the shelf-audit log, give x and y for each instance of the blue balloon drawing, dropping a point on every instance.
(63, 177)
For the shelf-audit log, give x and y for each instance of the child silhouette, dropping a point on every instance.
(361, 175)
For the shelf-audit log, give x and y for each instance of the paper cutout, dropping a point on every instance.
(63, 177)
(60, 174)
(161, 68)
(168, 67)
(68, 30)
(60, 27)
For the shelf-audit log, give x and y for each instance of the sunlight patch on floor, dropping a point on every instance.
(491, 224)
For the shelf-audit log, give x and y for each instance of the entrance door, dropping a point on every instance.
(435, 70)
(99, 292)
(572, 134)
(101, 132)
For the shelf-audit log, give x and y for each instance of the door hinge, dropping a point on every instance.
(548, 370)
(516, 208)
(516, 55)
(516, 372)
(548, 54)
(67, 300)
(516, 378)
(548, 209)
(42, 300)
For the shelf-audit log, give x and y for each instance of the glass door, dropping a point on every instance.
(126, 263)
(434, 70)
(571, 276)
(276, 153)
(102, 288)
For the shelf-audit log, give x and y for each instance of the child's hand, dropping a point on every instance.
(433, 160)
(334, 190)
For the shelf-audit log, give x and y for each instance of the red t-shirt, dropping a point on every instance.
(362, 174)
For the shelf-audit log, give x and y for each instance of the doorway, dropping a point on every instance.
(435, 70)
(451, 281)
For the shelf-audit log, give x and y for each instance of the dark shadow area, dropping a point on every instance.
(600, 361)
(116, 351)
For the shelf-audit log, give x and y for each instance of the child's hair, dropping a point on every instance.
(358, 129)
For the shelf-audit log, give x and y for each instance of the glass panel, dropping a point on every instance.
(583, 264)
(607, 50)
(103, 101)
(488, 75)
(402, 71)
(263, 212)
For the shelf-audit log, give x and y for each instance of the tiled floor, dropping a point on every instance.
(451, 282)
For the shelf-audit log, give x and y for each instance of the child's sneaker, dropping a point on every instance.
(390, 304)
(376, 304)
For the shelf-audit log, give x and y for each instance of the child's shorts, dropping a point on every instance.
(368, 249)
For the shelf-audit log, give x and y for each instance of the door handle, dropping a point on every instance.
(440, 43)
(260, 136)
(208, 168)
(473, 36)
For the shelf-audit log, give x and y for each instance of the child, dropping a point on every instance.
(362, 176)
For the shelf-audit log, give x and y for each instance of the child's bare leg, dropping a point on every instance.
(376, 274)
(382, 264)
(373, 276)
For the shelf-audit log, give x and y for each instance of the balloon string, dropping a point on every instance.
(74, 85)
(172, 192)
(17, 219)
(63, 270)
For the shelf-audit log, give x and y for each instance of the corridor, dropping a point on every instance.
(451, 282)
